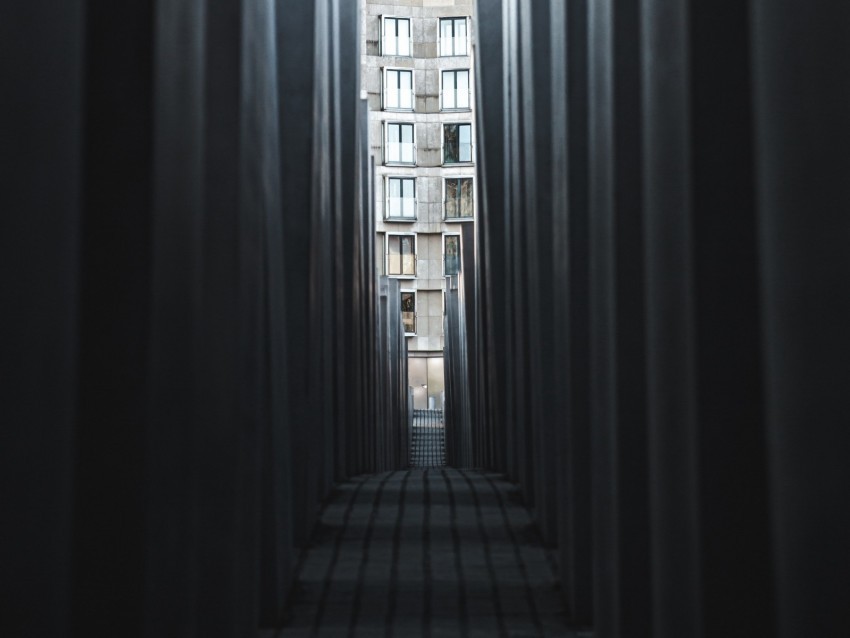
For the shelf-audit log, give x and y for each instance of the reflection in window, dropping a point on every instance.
(457, 143)
(398, 89)
(396, 36)
(456, 89)
(459, 198)
(401, 198)
(400, 146)
(451, 254)
(401, 256)
(453, 36)
(408, 311)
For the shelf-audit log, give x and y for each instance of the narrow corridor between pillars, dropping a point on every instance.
(426, 552)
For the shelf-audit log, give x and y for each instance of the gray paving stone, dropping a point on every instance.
(477, 569)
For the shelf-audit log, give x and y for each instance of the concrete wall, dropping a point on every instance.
(188, 251)
(663, 371)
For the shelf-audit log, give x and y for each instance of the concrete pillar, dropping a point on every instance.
(802, 146)
(41, 110)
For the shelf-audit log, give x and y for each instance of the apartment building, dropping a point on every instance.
(418, 70)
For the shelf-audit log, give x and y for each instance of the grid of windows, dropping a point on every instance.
(396, 36)
(401, 198)
(453, 36)
(400, 147)
(398, 89)
(459, 198)
(401, 255)
(457, 143)
(455, 90)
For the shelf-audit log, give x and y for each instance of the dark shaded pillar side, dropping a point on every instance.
(41, 157)
(174, 428)
(671, 321)
(736, 570)
(800, 62)
(571, 255)
(490, 160)
(295, 34)
(114, 313)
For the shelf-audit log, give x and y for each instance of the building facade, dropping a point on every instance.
(418, 72)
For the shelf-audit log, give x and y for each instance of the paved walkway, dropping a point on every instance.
(431, 553)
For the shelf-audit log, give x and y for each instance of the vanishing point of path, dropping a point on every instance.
(426, 553)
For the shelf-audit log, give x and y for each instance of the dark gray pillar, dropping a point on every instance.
(570, 263)
(173, 435)
(296, 88)
(800, 65)
(42, 67)
(621, 523)
(671, 321)
(114, 319)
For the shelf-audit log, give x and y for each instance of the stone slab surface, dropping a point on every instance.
(426, 552)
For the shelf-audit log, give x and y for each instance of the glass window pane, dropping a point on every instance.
(404, 37)
(392, 132)
(408, 311)
(465, 134)
(462, 89)
(460, 37)
(395, 187)
(466, 198)
(407, 133)
(451, 198)
(451, 254)
(408, 188)
(448, 90)
(394, 257)
(450, 143)
(446, 40)
(408, 256)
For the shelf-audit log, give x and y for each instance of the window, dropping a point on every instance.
(408, 311)
(453, 36)
(401, 198)
(398, 89)
(396, 36)
(380, 254)
(401, 255)
(459, 202)
(457, 143)
(455, 89)
(451, 254)
(400, 148)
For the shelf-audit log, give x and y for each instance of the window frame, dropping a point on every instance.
(387, 217)
(387, 161)
(454, 53)
(445, 235)
(413, 292)
(398, 109)
(458, 220)
(384, 20)
(388, 237)
(456, 109)
(471, 162)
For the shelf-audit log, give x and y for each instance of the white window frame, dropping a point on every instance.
(387, 161)
(387, 216)
(384, 20)
(387, 238)
(454, 53)
(471, 144)
(384, 74)
(415, 310)
(460, 220)
(450, 234)
(456, 109)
